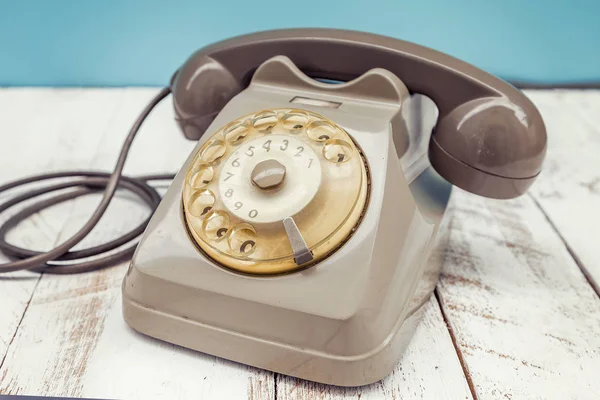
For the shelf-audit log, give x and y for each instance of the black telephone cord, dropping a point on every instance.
(61, 259)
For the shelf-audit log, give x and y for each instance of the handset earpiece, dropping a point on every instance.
(489, 146)
(489, 139)
(201, 88)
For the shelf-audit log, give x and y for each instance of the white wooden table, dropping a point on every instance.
(516, 314)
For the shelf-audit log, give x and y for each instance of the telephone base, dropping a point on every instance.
(344, 320)
(349, 371)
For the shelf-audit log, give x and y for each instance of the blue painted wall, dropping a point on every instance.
(126, 42)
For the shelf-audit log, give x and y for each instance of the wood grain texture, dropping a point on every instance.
(32, 124)
(72, 340)
(524, 317)
(568, 189)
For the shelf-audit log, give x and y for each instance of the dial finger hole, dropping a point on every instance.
(337, 151)
(265, 121)
(200, 176)
(214, 150)
(320, 131)
(295, 121)
(201, 203)
(242, 239)
(216, 225)
(237, 131)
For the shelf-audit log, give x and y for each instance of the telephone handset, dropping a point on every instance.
(490, 139)
(297, 235)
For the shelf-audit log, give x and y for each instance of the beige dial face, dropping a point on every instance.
(275, 191)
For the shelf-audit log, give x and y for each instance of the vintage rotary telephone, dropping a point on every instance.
(296, 236)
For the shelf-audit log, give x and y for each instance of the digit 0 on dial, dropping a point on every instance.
(264, 168)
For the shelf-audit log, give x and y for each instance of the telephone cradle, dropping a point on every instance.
(298, 235)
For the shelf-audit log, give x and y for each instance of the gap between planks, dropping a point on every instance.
(588, 276)
(459, 354)
(19, 323)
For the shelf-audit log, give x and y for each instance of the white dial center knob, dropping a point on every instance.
(268, 174)
(252, 172)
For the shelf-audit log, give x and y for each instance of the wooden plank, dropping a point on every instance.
(569, 188)
(429, 369)
(524, 317)
(72, 341)
(33, 122)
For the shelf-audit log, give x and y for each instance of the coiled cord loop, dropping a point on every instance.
(62, 259)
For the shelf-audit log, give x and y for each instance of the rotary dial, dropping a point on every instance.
(275, 191)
